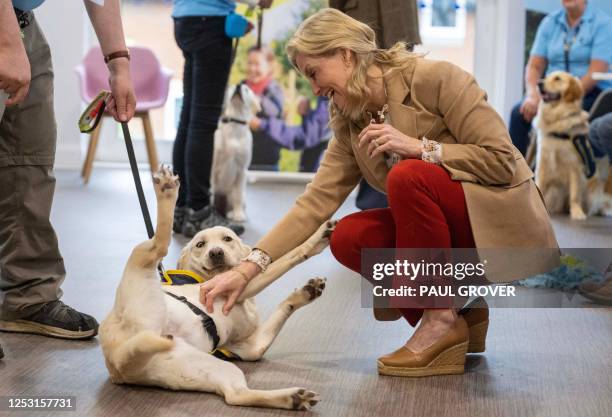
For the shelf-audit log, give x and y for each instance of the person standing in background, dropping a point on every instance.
(31, 266)
(392, 21)
(575, 39)
(199, 29)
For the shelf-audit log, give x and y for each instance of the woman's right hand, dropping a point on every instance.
(229, 284)
(529, 108)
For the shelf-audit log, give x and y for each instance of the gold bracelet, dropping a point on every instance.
(243, 275)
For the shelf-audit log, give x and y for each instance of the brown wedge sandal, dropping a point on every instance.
(445, 357)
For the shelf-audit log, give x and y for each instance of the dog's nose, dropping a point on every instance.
(216, 255)
(541, 85)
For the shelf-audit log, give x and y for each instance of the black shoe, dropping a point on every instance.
(179, 219)
(204, 218)
(54, 319)
(1, 352)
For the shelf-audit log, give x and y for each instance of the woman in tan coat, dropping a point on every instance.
(439, 151)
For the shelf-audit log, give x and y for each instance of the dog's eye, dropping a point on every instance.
(200, 244)
(227, 239)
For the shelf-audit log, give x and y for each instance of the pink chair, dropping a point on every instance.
(151, 84)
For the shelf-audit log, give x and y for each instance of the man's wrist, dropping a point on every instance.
(118, 64)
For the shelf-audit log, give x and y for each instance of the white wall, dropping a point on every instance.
(66, 29)
(499, 49)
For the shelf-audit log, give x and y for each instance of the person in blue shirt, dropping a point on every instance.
(31, 265)
(576, 39)
(199, 30)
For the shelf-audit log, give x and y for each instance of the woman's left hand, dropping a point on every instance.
(383, 137)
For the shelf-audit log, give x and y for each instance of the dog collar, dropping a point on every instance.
(232, 120)
(558, 135)
(181, 277)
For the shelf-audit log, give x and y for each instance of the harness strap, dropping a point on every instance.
(560, 135)
(209, 325)
(232, 120)
(583, 147)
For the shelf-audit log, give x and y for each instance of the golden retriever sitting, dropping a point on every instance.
(567, 172)
(162, 336)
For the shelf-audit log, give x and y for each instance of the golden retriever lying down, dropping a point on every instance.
(563, 156)
(162, 336)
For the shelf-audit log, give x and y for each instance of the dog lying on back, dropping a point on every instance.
(567, 172)
(160, 335)
(233, 152)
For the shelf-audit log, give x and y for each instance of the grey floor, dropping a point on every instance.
(539, 362)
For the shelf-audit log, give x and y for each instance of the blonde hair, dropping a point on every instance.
(328, 31)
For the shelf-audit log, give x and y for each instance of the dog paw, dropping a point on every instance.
(320, 239)
(166, 184)
(238, 216)
(305, 295)
(577, 213)
(314, 287)
(304, 400)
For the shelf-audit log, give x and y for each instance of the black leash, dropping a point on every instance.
(141, 197)
(259, 27)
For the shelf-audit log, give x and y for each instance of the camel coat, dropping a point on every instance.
(440, 101)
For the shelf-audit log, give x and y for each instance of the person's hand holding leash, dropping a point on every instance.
(122, 103)
(381, 138)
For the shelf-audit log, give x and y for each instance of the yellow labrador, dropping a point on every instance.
(161, 336)
(563, 158)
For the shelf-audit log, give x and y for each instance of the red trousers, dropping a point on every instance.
(426, 210)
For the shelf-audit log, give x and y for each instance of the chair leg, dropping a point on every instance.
(91, 153)
(150, 141)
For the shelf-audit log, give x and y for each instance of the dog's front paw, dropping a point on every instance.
(304, 400)
(320, 239)
(166, 184)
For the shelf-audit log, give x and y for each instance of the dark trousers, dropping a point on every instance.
(426, 210)
(520, 128)
(207, 52)
(31, 266)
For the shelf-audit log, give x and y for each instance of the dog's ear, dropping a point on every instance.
(183, 260)
(573, 91)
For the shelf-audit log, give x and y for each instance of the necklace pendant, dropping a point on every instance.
(381, 113)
